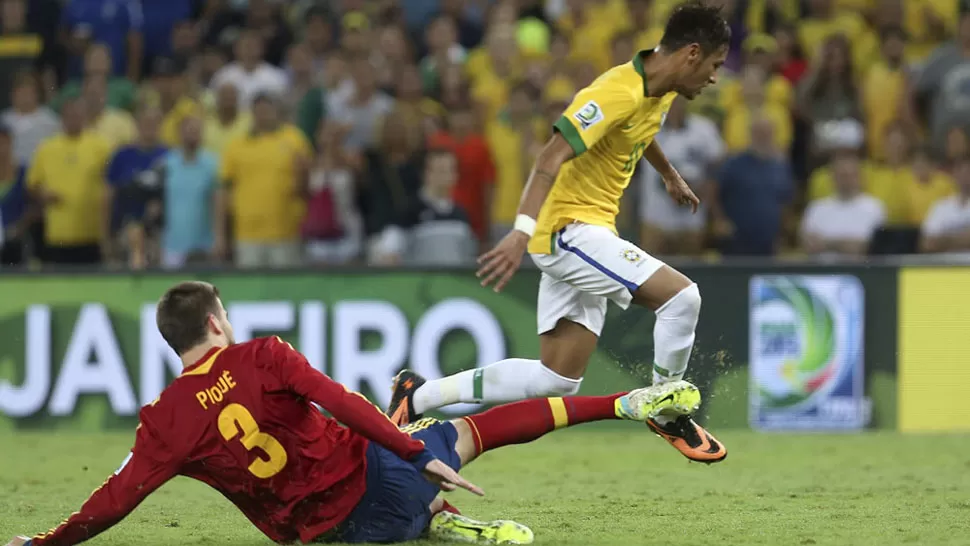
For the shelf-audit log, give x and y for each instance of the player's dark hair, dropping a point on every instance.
(696, 22)
(182, 314)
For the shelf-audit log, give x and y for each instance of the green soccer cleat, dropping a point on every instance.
(451, 527)
(671, 398)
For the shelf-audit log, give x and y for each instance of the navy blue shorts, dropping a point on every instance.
(394, 507)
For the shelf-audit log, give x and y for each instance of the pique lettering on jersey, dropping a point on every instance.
(215, 393)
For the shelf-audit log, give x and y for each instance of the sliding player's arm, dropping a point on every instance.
(148, 466)
(594, 112)
(362, 417)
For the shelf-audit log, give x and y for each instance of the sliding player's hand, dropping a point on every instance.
(18, 541)
(447, 479)
(499, 264)
(680, 192)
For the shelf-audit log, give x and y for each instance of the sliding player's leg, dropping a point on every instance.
(677, 303)
(399, 504)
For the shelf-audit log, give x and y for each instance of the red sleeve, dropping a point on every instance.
(145, 470)
(350, 408)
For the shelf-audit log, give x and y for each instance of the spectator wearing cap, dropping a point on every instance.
(514, 138)
(753, 190)
(226, 122)
(842, 224)
(116, 126)
(170, 88)
(13, 202)
(66, 180)
(191, 198)
(737, 124)
(264, 173)
(20, 49)
(116, 23)
(27, 121)
(884, 90)
(941, 91)
(832, 139)
(97, 66)
(355, 39)
(694, 147)
(946, 228)
(249, 73)
(761, 50)
(434, 230)
(360, 112)
(134, 177)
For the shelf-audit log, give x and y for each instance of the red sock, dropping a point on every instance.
(448, 507)
(521, 422)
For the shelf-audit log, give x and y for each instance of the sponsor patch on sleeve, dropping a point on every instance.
(590, 114)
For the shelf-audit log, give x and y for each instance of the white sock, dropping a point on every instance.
(507, 380)
(673, 336)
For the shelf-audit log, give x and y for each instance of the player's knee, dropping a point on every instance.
(686, 303)
(548, 383)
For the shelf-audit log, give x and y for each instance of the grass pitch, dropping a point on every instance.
(585, 486)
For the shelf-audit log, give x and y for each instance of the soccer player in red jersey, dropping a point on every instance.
(239, 418)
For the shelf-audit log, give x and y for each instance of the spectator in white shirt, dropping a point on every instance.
(947, 226)
(360, 112)
(249, 73)
(28, 121)
(842, 225)
(693, 145)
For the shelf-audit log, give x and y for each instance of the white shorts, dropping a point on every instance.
(590, 266)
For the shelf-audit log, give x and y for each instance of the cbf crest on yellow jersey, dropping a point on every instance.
(608, 125)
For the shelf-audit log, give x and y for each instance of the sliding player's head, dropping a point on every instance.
(697, 38)
(191, 315)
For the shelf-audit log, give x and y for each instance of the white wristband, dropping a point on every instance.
(525, 224)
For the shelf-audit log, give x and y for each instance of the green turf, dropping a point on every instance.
(580, 487)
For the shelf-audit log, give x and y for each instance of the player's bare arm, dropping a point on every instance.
(677, 187)
(499, 264)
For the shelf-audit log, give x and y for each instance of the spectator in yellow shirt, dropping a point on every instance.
(490, 86)
(884, 90)
(760, 50)
(514, 137)
(737, 124)
(226, 123)
(925, 185)
(115, 126)
(589, 33)
(265, 174)
(928, 24)
(66, 180)
(887, 176)
(824, 22)
(171, 93)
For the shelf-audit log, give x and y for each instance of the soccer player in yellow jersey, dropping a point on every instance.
(566, 221)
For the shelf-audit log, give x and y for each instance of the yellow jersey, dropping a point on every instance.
(72, 168)
(608, 125)
(262, 170)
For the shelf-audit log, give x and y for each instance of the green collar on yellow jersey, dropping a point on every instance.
(638, 66)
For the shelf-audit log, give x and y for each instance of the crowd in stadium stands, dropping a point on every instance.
(271, 133)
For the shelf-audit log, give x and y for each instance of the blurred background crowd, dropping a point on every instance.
(145, 133)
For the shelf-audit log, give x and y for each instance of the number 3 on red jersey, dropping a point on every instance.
(235, 418)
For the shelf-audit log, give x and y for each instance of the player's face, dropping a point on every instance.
(700, 70)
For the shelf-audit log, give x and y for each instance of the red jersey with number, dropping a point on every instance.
(241, 421)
